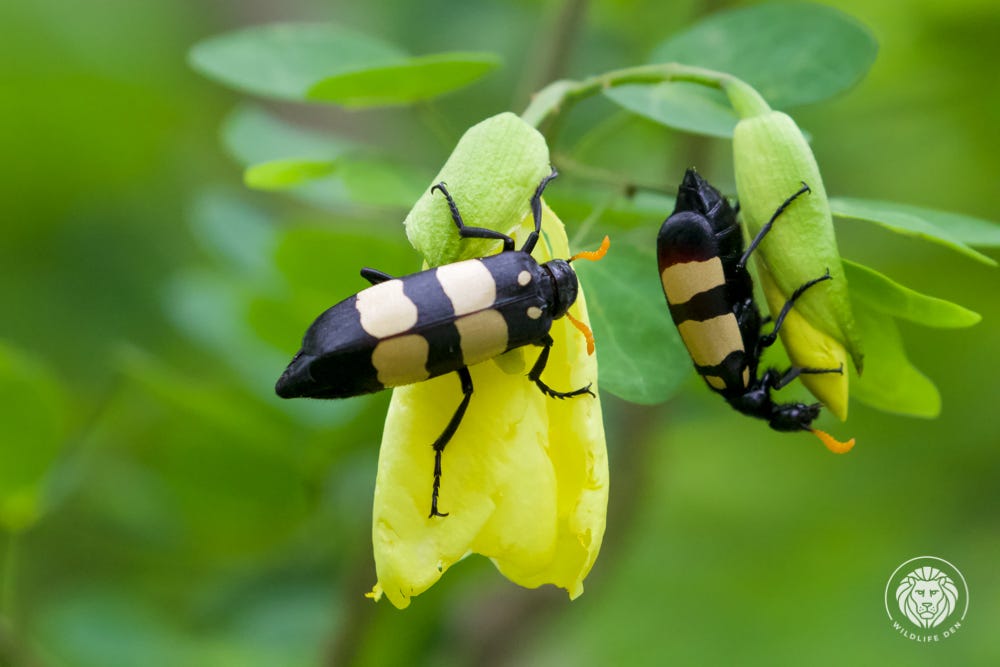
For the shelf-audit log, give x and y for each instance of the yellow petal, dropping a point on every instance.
(524, 479)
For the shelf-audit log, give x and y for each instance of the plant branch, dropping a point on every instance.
(561, 95)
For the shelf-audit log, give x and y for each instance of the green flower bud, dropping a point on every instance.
(772, 160)
(492, 174)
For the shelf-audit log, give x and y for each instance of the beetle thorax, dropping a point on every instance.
(564, 286)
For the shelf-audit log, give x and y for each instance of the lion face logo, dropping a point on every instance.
(927, 596)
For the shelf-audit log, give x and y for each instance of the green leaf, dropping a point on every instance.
(964, 228)
(411, 80)
(792, 54)
(890, 382)
(356, 179)
(967, 229)
(285, 60)
(881, 294)
(328, 63)
(681, 105)
(640, 354)
(319, 168)
(919, 223)
(32, 425)
(252, 135)
(286, 173)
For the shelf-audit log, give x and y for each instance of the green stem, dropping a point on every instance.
(560, 95)
(7, 578)
(746, 101)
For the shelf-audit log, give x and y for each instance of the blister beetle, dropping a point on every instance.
(442, 320)
(703, 273)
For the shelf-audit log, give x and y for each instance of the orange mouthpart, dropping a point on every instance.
(594, 255)
(584, 329)
(832, 443)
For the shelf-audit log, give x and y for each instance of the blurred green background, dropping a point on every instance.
(185, 516)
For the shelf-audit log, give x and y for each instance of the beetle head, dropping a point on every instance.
(696, 194)
(793, 416)
(565, 285)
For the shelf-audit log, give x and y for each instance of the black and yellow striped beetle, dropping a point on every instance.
(703, 272)
(442, 320)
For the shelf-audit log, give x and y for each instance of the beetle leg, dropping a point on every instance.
(467, 232)
(775, 381)
(536, 212)
(374, 276)
(770, 223)
(768, 339)
(446, 436)
(535, 375)
(746, 314)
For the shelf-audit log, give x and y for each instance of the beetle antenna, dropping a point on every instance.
(584, 329)
(831, 443)
(593, 255)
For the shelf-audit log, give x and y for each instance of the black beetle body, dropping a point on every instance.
(405, 330)
(409, 329)
(703, 272)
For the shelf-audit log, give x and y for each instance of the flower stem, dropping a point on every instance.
(560, 95)
(746, 101)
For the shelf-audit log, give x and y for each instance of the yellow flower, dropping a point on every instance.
(525, 477)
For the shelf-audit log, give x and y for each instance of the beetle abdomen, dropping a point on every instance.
(694, 282)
